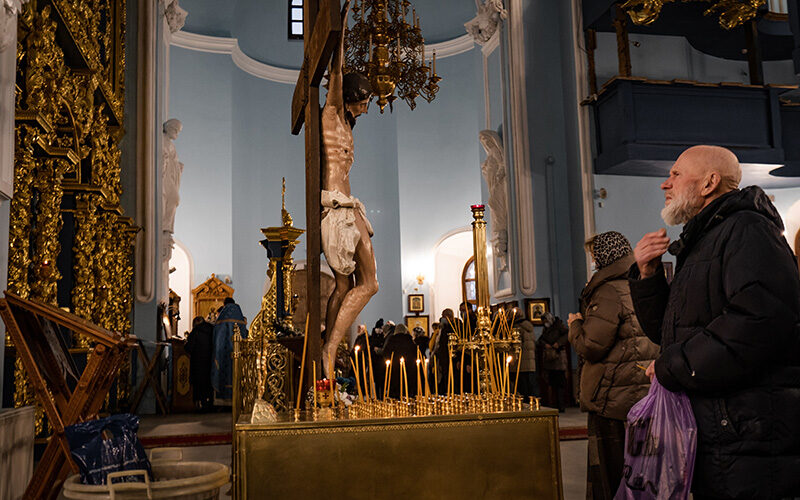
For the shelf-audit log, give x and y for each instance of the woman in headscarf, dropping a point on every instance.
(615, 351)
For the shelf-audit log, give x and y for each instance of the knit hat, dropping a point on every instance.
(609, 247)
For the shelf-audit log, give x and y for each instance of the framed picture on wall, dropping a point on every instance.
(535, 309)
(418, 321)
(416, 302)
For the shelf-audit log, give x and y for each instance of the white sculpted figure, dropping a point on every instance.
(171, 172)
(494, 172)
(345, 229)
(175, 15)
(487, 20)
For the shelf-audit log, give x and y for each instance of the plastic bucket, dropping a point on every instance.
(171, 479)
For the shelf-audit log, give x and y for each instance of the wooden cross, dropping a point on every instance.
(322, 29)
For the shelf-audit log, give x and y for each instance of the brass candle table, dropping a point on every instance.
(503, 455)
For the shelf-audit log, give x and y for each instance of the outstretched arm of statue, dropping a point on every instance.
(335, 98)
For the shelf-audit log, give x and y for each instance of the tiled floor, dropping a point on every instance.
(573, 453)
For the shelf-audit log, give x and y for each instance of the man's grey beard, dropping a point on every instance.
(681, 208)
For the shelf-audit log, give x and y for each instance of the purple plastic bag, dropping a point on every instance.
(660, 447)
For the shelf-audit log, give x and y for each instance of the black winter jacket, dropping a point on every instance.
(728, 329)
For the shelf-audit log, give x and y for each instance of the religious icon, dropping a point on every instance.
(536, 309)
(416, 303)
(417, 321)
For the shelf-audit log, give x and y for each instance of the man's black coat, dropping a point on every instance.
(728, 329)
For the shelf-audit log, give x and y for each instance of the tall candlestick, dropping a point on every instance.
(358, 385)
(435, 375)
(386, 381)
(404, 379)
(516, 378)
(314, 367)
(332, 381)
(302, 364)
(357, 372)
(419, 379)
(508, 379)
(461, 378)
(364, 373)
(434, 62)
(427, 386)
(371, 371)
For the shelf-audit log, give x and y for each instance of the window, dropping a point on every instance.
(296, 19)
(469, 291)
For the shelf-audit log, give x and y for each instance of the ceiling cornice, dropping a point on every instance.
(230, 46)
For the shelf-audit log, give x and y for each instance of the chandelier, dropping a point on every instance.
(389, 50)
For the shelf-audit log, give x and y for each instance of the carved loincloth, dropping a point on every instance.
(340, 235)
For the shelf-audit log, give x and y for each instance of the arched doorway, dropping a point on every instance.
(450, 256)
(180, 282)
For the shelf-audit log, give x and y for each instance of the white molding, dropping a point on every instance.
(458, 45)
(147, 125)
(203, 43)
(230, 46)
(526, 248)
(584, 130)
(262, 70)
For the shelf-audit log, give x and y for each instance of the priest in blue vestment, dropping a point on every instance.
(222, 367)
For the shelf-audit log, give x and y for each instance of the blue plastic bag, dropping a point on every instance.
(660, 447)
(107, 445)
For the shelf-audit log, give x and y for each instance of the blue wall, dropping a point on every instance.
(201, 97)
(439, 162)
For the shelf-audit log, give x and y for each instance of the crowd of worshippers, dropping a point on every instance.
(388, 342)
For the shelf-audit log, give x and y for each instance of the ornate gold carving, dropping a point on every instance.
(69, 99)
(732, 13)
(209, 296)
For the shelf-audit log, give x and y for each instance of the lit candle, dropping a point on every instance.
(516, 378)
(386, 382)
(508, 380)
(434, 70)
(419, 379)
(357, 373)
(403, 378)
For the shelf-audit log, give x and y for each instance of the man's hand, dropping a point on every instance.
(651, 370)
(573, 316)
(649, 250)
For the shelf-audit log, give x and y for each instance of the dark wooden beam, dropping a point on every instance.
(319, 47)
(591, 46)
(755, 64)
(623, 44)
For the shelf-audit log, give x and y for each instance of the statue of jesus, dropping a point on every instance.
(345, 230)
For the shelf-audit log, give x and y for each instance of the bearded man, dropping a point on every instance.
(727, 325)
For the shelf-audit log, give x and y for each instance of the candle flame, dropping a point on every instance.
(388, 362)
(508, 359)
(358, 348)
(417, 361)
(402, 360)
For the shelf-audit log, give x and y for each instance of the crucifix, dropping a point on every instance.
(322, 28)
